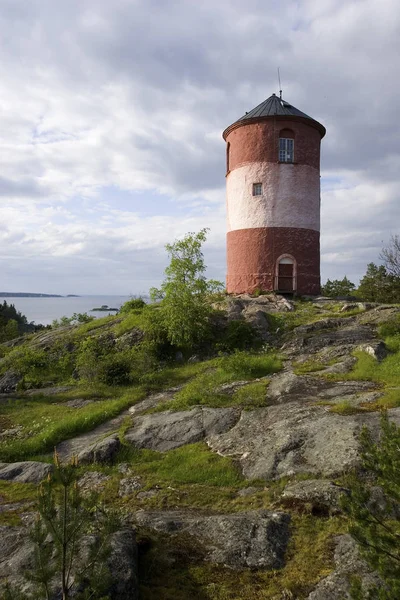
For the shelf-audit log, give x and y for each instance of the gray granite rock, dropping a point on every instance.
(123, 564)
(347, 562)
(254, 539)
(288, 439)
(167, 430)
(9, 382)
(320, 494)
(25, 472)
(102, 451)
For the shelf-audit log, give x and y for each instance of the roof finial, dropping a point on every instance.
(280, 86)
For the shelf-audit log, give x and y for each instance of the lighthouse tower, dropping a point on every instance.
(273, 200)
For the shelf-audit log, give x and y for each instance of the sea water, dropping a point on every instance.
(46, 310)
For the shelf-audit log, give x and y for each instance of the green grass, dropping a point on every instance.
(309, 366)
(252, 395)
(368, 368)
(130, 321)
(190, 464)
(204, 389)
(15, 492)
(51, 423)
(345, 408)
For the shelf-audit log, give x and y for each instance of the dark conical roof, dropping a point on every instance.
(272, 107)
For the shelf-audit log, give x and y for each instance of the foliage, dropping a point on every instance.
(80, 529)
(372, 521)
(76, 319)
(184, 309)
(238, 335)
(36, 365)
(338, 288)
(132, 304)
(378, 285)
(12, 322)
(390, 256)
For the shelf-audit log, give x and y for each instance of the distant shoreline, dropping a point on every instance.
(29, 295)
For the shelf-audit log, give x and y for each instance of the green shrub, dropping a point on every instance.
(132, 304)
(238, 335)
(115, 370)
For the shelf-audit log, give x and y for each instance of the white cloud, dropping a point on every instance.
(134, 95)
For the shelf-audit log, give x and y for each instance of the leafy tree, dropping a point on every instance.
(338, 288)
(373, 523)
(12, 322)
(390, 256)
(378, 285)
(80, 530)
(185, 309)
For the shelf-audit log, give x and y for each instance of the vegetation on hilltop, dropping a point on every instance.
(381, 283)
(12, 322)
(98, 369)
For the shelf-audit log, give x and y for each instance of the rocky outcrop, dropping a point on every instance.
(288, 387)
(255, 539)
(9, 382)
(347, 563)
(25, 472)
(123, 563)
(320, 495)
(254, 310)
(289, 439)
(167, 430)
(17, 556)
(102, 451)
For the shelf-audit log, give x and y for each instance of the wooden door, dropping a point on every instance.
(285, 277)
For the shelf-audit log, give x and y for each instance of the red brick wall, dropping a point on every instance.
(252, 256)
(259, 142)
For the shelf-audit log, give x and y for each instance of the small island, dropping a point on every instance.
(104, 308)
(33, 295)
(27, 295)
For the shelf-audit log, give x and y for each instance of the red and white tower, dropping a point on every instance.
(273, 200)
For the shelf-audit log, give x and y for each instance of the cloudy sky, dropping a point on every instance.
(111, 115)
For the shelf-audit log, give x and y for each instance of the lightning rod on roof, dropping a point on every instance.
(280, 86)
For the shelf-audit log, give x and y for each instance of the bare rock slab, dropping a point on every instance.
(102, 451)
(289, 439)
(347, 562)
(254, 539)
(9, 382)
(17, 552)
(321, 494)
(25, 472)
(167, 430)
(289, 387)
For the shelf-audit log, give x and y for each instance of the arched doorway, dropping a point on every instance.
(285, 274)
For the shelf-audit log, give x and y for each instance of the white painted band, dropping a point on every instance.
(290, 196)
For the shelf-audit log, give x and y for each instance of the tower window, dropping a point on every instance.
(286, 150)
(257, 189)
